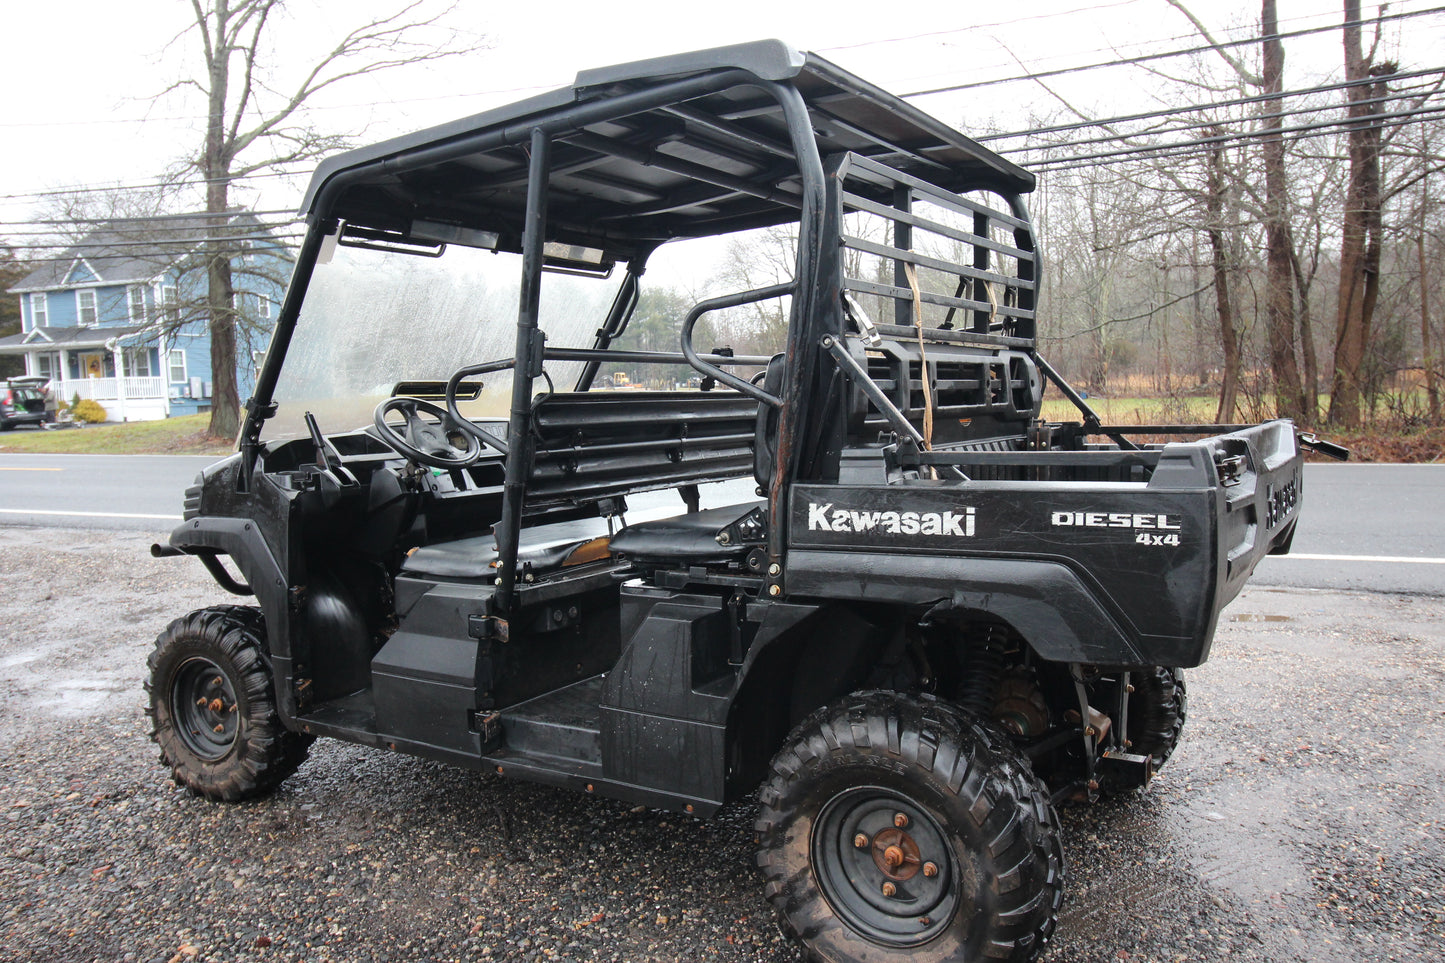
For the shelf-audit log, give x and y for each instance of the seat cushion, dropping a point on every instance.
(477, 557)
(685, 538)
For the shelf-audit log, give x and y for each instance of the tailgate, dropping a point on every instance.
(1261, 477)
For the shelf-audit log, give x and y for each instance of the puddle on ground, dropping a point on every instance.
(81, 697)
(1253, 617)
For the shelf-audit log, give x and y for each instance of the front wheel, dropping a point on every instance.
(213, 706)
(900, 828)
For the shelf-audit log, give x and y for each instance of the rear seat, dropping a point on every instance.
(594, 445)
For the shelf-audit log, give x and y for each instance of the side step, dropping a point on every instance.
(560, 729)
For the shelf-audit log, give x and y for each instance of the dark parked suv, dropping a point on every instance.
(21, 403)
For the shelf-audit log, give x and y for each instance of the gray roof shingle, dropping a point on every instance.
(131, 251)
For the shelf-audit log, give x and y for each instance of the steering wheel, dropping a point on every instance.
(427, 442)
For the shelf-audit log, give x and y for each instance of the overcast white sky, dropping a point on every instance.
(81, 78)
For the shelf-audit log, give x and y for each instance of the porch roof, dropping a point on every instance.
(68, 339)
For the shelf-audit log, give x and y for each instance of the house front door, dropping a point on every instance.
(92, 365)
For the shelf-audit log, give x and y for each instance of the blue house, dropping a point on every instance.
(121, 316)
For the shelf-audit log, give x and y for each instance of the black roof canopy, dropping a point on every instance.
(681, 146)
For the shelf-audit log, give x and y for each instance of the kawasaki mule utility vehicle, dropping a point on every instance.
(849, 565)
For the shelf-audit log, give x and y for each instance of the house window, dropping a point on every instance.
(170, 303)
(177, 366)
(39, 311)
(137, 296)
(85, 307)
(47, 365)
(137, 362)
(263, 306)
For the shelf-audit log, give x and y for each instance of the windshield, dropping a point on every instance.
(374, 318)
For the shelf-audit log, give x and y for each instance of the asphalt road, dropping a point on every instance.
(111, 492)
(1377, 528)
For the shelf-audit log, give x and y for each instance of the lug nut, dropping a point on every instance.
(930, 869)
(860, 841)
(900, 820)
(889, 889)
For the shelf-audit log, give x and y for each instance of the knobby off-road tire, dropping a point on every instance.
(213, 706)
(899, 828)
(1157, 709)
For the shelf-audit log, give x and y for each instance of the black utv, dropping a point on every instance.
(847, 571)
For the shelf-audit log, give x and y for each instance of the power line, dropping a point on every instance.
(1145, 58)
(1326, 128)
(1203, 124)
(73, 251)
(241, 180)
(145, 218)
(238, 179)
(1214, 105)
(159, 232)
(560, 82)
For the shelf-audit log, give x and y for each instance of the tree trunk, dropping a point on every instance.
(1311, 383)
(1218, 246)
(1290, 401)
(220, 310)
(1360, 244)
(1427, 352)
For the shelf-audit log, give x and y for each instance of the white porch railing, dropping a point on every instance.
(112, 389)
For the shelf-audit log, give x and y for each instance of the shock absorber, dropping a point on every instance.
(983, 659)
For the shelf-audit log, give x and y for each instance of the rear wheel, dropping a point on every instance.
(1157, 709)
(899, 828)
(213, 706)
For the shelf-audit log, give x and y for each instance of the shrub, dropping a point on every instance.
(87, 410)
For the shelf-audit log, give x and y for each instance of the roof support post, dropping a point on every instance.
(815, 311)
(527, 366)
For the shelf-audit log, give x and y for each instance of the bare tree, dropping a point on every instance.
(1363, 222)
(1290, 399)
(1428, 360)
(253, 125)
(1214, 198)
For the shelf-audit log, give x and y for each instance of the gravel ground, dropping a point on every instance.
(1300, 820)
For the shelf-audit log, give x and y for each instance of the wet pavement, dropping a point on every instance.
(1301, 819)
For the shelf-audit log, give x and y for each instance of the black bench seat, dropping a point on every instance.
(689, 538)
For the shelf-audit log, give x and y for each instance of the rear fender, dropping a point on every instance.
(1045, 602)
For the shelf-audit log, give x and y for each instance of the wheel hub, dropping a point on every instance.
(896, 855)
(204, 707)
(885, 865)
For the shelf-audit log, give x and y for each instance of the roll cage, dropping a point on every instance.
(757, 135)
